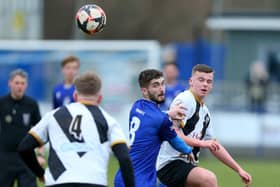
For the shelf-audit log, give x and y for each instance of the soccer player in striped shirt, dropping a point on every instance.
(81, 136)
(196, 130)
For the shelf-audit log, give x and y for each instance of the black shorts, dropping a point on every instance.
(175, 173)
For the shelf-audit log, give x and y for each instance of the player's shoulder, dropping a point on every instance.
(145, 107)
(108, 117)
(145, 104)
(185, 97)
(49, 114)
(105, 113)
(58, 86)
(187, 100)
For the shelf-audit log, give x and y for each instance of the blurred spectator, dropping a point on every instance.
(273, 67)
(63, 92)
(172, 86)
(257, 83)
(18, 113)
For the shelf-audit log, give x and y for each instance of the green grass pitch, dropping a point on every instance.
(264, 172)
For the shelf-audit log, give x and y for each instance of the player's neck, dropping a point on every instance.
(68, 82)
(89, 100)
(152, 101)
(16, 97)
(197, 98)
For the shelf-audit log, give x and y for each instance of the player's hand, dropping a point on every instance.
(176, 127)
(189, 157)
(177, 112)
(40, 156)
(42, 179)
(41, 161)
(246, 177)
(212, 145)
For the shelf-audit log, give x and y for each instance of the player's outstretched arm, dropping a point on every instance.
(223, 155)
(180, 145)
(212, 145)
(27, 153)
(121, 153)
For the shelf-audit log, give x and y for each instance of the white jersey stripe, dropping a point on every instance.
(64, 128)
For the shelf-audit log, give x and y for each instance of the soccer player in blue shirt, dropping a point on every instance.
(149, 127)
(63, 92)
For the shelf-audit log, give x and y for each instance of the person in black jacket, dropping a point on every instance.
(257, 83)
(18, 113)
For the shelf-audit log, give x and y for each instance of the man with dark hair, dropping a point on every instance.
(148, 127)
(18, 113)
(81, 136)
(63, 92)
(173, 169)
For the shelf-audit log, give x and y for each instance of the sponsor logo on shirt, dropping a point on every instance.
(26, 118)
(8, 119)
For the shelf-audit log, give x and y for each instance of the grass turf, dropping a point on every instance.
(264, 172)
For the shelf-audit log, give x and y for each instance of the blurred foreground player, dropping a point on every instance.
(81, 136)
(149, 127)
(18, 113)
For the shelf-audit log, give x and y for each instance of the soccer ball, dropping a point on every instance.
(91, 18)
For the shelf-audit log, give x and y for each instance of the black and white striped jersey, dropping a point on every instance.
(80, 137)
(196, 125)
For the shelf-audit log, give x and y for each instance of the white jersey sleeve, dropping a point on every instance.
(40, 130)
(186, 100)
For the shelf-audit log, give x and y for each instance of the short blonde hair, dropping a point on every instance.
(88, 83)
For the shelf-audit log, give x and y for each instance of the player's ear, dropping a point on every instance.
(190, 81)
(99, 99)
(144, 91)
(9, 83)
(75, 96)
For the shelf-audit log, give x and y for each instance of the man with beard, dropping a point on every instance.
(149, 127)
